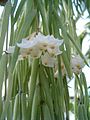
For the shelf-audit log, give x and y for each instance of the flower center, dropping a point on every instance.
(45, 45)
(30, 49)
(52, 47)
(45, 62)
(78, 66)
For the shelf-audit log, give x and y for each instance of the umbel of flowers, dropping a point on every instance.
(41, 46)
(46, 48)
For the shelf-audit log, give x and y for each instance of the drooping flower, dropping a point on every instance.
(35, 53)
(47, 60)
(77, 64)
(29, 48)
(53, 45)
(42, 41)
(41, 46)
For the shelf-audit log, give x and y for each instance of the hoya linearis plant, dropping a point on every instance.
(39, 52)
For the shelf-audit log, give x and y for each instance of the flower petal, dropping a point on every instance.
(26, 44)
(47, 60)
(35, 53)
(77, 64)
(54, 41)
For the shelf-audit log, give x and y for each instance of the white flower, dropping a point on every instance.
(39, 43)
(41, 40)
(10, 49)
(47, 60)
(54, 51)
(35, 53)
(24, 52)
(77, 64)
(26, 44)
(53, 46)
(29, 48)
(54, 41)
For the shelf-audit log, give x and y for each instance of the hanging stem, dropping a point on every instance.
(6, 65)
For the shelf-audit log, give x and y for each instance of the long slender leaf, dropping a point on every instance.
(4, 26)
(2, 74)
(79, 51)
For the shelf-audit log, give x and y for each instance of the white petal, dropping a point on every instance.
(77, 64)
(59, 42)
(35, 53)
(47, 60)
(24, 40)
(26, 44)
(41, 40)
(77, 60)
(55, 41)
(76, 70)
(55, 51)
(24, 51)
(39, 37)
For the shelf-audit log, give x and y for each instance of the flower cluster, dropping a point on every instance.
(77, 64)
(46, 48)
(41, 46)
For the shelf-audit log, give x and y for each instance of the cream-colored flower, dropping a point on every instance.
(77, 64)
(40, 44)
(47, 60)
(54, 44)
(41, 40)
(35, 53)
(29, 48)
